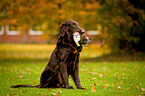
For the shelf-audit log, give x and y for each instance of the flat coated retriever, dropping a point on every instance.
(64, 60)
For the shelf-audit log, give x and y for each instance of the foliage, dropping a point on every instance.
(49, 13)
(23, 64)
(121, 23)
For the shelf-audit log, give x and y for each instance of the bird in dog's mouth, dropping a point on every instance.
(80, 39)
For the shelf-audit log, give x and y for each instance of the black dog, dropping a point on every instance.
(64, 60)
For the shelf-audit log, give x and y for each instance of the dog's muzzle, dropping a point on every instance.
(85, 40)
(81, 39)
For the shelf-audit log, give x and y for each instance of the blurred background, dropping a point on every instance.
(114, 62)
(118, 24)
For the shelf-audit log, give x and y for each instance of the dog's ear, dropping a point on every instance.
(63, 29)
(64, 35)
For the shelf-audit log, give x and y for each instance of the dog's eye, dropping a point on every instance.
(74, 25)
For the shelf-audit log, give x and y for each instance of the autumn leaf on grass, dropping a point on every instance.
(142, 89)
(34, 82)
(118, 87)
(38, 92)
(117, 75)
(59, 92)
(53, 94)
(106, 85)
(100, 75)
(136, 86)
(93, 89)
(20, 76)
(49, 89)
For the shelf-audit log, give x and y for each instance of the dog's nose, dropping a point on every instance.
(82, 31)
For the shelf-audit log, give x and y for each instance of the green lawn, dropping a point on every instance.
(23, 64)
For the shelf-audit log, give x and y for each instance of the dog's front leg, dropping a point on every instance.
(63, 70)
(76, 79)
(75, 74)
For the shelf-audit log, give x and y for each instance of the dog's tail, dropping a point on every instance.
(17, 86)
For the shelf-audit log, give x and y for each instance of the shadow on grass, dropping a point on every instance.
(108, 57)
(117, 57)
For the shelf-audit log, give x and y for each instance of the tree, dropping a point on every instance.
(123, 23)
(51, 13)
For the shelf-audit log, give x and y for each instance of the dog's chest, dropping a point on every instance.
(71, 61)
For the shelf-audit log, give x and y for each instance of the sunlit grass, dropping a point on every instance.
(23, 64)
(43, 51)
(25, 51)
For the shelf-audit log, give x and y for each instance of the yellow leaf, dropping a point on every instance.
(53, 94)
(93, 89)
(107, 85)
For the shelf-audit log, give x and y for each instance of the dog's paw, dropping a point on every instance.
(69, 87)
(81, 88)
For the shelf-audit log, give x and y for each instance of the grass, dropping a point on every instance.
(23, 64)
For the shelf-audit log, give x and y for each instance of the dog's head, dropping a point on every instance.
(71, 31)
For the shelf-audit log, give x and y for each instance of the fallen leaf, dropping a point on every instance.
(141, 93)
(58, 92)
(107, 85)
(136, 86)
(102, 86)
(93, 78)
(20, 76)
(53, 94)
(38, 92)
(117, 74)
(34, 82)
(49, 89)
(93, 73)
(10, 89)
(118, 87)
(93, 89)
(119, 95)
(100, 75)
(142, 89)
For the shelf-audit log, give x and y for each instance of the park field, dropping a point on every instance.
(116, 76)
